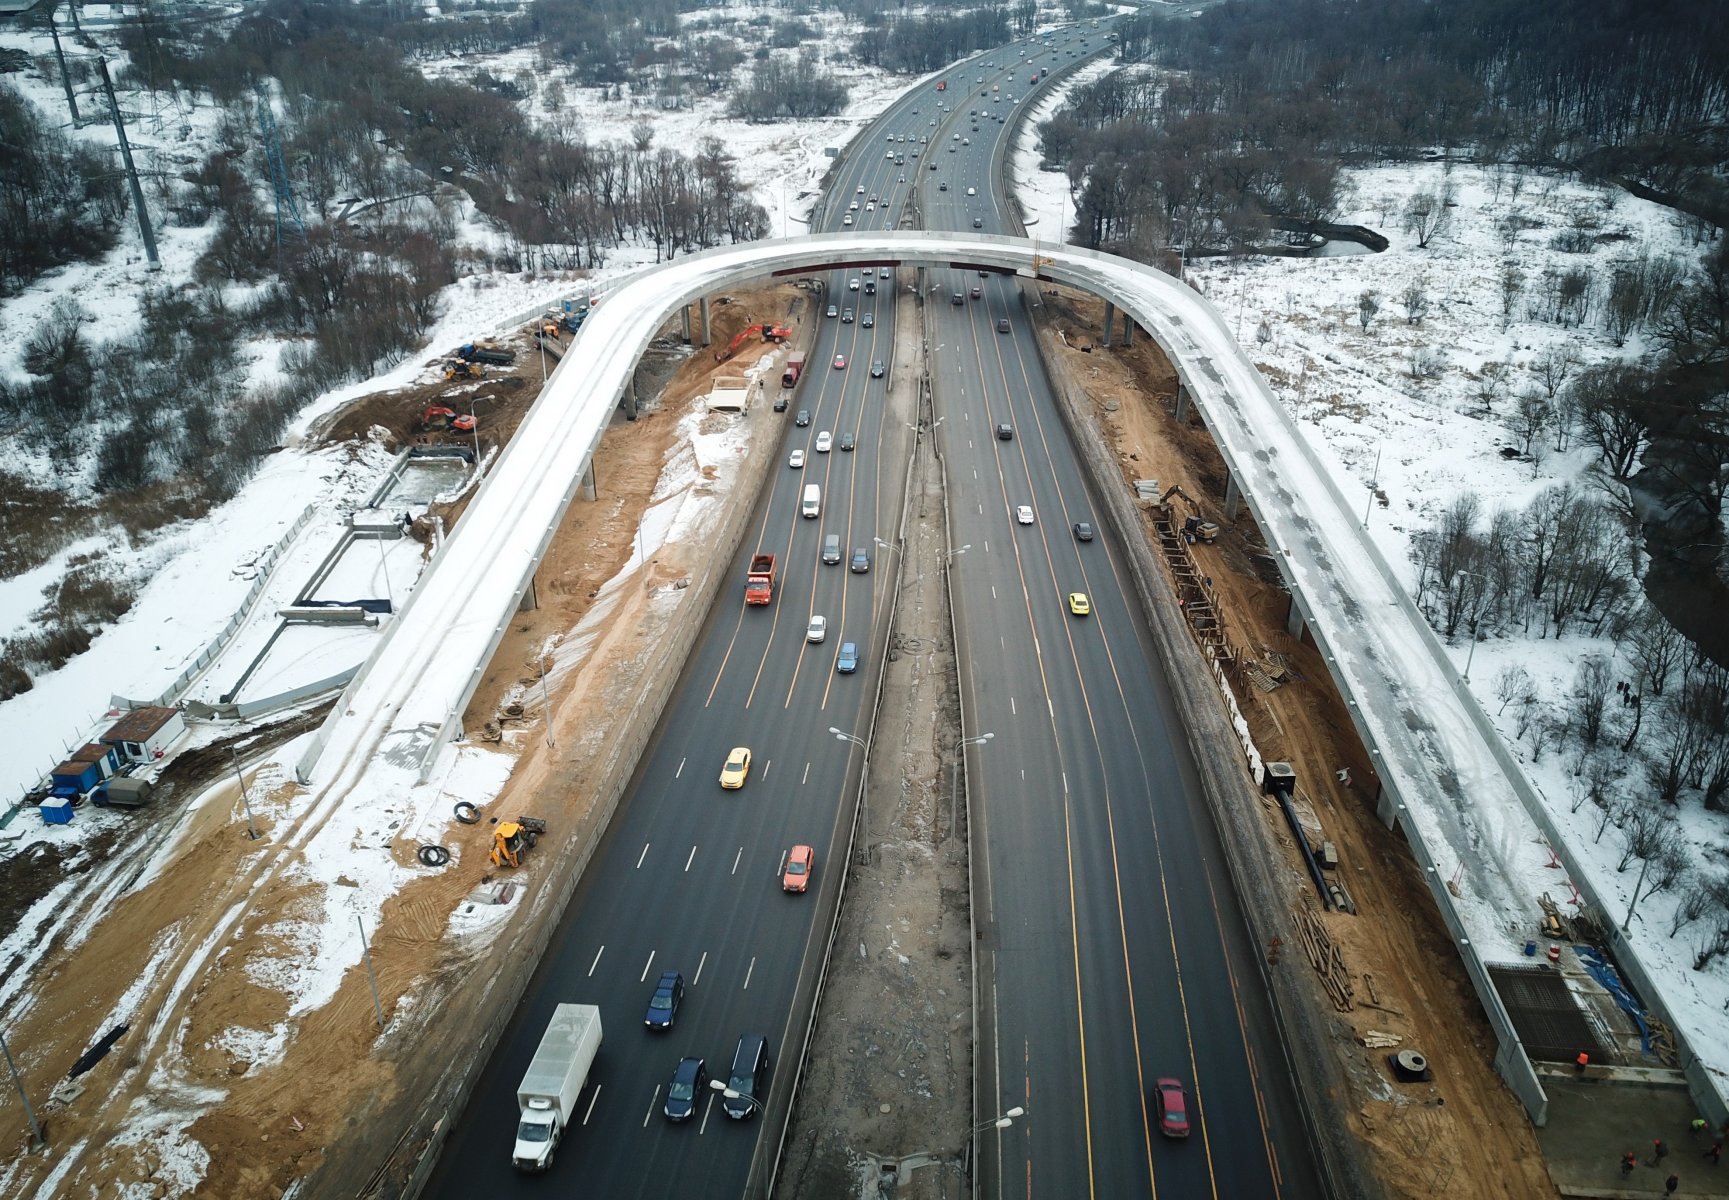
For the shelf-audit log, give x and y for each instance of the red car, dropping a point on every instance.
(840, 362)
(1173, 1108)
(800, 861)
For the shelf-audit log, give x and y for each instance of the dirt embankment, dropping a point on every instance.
(278, 1119)
(1407, 979)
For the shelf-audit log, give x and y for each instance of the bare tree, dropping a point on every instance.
(1591, 684)
(1613, 414)
(1514, 685)
(1415, 300)
(1531, 416)
(1692, 901)
(1490, 385)
(1658, 648)
(1426, 216)
(1512, 284)
(1553, 367)
(1368, 304)
(1641, 828)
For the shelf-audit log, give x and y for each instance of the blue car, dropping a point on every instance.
(663, 1005)
(688, 1080)
(846, 662)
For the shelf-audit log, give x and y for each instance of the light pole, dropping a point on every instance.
(955, 783)
(1002, 1122)
(958, 550)
(1374, 483)
(886, 545)
(720, 1086)
(1472, 652)
(862, 835)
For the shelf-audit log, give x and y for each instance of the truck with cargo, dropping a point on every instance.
(547, 1097)
(122, 791)
(759, 582)
(794, 368)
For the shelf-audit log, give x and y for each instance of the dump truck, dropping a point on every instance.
(794, 368)
(547, 1096)
(486, 352)
(759, 582)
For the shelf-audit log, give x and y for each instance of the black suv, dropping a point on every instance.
(749, 1077)
(1005, 433)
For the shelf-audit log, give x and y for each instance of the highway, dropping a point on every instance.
(1111, 949)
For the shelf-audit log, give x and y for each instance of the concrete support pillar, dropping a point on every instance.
(684, 317)
(1294, 620)
(628, 400)
(703, 305)
(1233, 498)
(588, 488)
(1128, 330)
(1182, 404)
(1110, 320)
(530, 597)
(1386, 807)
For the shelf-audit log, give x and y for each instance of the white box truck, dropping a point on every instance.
(547, 1097)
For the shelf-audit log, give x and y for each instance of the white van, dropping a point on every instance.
(812, 506)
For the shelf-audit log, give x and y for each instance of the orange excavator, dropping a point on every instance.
(769, 333)
(439, 419)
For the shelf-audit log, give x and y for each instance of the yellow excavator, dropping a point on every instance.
(1196, 528)
(512, 838)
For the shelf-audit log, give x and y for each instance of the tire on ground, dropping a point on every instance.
(433, 856)
(467, 813)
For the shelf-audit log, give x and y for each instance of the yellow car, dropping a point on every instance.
(1079, 604)
(737, 767)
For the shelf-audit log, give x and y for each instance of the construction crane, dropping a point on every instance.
(769, 333)
(1196, 528)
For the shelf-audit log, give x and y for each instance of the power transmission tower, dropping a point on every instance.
(144, 230)
(285, 206)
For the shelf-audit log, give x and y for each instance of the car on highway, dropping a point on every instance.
(748, 1080)
(800, 861)
(1023, 514)
(802, 418)
(852, 284)
(845, 442)
(795, 460)
(1083, 531)
(977, 291)
(861, 560)
(663, 1003)
(817, 630)
(688, 1079)
(834, 310)
(1173, 1108)
(853, 207)
(846, 316)
(1079, 604)
(869, 321)
(1005, 432)
(737, 768)
(883, 272)
(871, 207)
(840, 362)
(861, 186)
(847, 220)
(941, 187)
(978, 223)
(1002, 324)
(870, 289)
(824, 441)
(846, 662)
(876, 368)
(972, 191)
(780, 403)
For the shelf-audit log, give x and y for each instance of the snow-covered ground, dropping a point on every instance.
(1422, 441)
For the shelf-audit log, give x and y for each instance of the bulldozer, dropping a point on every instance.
(770, 333)
(458, 368)
(439, 419)
(512, 838)
(1196, 528)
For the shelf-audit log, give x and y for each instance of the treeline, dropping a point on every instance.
(928, 41)
(1617, 88)
(782, 90)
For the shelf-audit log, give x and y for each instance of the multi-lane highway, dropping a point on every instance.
(1111, 952)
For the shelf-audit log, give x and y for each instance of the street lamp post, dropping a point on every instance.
(1471, 654)
(730, 1094)
(861, 835)
(955, 782)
